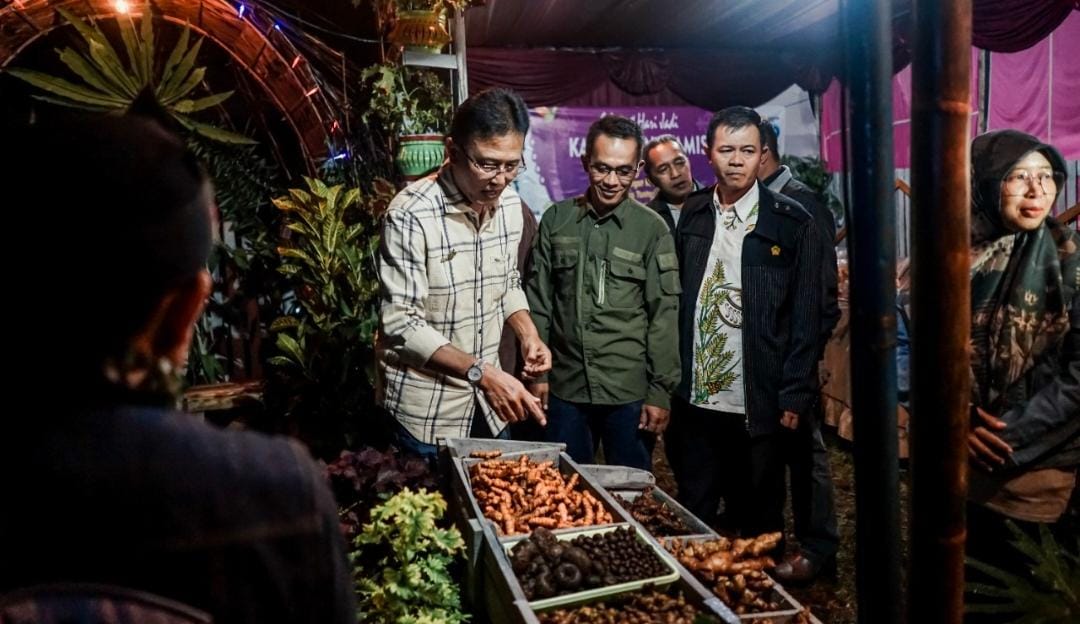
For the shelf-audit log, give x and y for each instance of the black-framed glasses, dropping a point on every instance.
(491, 170)
(626, 172)
(1018, 182)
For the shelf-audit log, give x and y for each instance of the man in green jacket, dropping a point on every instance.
(604, 297)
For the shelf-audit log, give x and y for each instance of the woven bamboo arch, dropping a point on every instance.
(252, 40)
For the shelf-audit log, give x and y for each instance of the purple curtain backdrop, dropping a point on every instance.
(710, 79)
(1011, 26)
(1036, 90)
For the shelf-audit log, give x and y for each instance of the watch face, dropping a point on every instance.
(476, 371)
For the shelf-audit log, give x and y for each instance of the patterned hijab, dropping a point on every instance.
(1018, 279)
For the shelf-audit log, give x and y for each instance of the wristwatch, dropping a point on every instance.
(475, 372)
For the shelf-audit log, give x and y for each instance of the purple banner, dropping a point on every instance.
(556, 143)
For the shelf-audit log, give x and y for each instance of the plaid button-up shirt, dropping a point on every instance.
(446, 279)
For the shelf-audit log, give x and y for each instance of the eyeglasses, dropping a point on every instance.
(492, 170)
(1019, 182)
(600, 170)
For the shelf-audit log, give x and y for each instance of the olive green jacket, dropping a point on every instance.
(604, 295)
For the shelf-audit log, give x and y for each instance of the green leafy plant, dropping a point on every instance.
(402, 563)
(248, 289)
(109, 84)
(812, 172)
(406, 101)
(204, 365)
(321, 380)
(1049, 595)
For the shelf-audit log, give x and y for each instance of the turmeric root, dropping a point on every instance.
(519, 493)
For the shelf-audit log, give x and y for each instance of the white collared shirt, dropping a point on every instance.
(717, 382)
(445, 280)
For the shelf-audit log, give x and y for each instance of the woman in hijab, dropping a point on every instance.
(1025, 346)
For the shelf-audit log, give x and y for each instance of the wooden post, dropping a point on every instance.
(941, 307)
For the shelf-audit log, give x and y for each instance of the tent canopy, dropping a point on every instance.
(708, 53)
(651, 23)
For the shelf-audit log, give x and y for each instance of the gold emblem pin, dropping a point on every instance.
(776, 250)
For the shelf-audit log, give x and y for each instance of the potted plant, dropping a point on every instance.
(414, 106)
(421, 24)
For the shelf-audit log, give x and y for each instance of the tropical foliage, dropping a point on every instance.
(247, 287)
(1048, 594)
(812, 173)
(406, 101)
(323, 374)
(109, 84)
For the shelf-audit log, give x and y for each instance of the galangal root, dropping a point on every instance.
(522, 495)
(733, 568)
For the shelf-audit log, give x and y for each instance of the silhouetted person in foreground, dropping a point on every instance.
(102, 481)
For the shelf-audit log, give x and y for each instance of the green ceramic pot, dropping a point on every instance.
(419, 154)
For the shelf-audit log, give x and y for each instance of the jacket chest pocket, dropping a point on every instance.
(622, 285)
(563, 275)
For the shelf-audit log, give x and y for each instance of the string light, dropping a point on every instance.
(296, 61)
(241, 10)
(122, 6)
(313, 91)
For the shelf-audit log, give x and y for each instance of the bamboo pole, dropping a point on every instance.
(941, 307)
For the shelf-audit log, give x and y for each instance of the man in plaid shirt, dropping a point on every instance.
(448, 269)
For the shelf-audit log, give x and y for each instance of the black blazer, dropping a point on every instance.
(660, 207)
(781, 296)
(826, 227)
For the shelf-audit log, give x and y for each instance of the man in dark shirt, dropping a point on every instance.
(812, 500)
(668, 168)
(749, 263)
(102, 482)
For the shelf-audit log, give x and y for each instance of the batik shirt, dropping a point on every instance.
(718, 357)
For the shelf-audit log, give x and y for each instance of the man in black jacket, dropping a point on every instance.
(749, 323)
(668, 168)
(812, 503)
